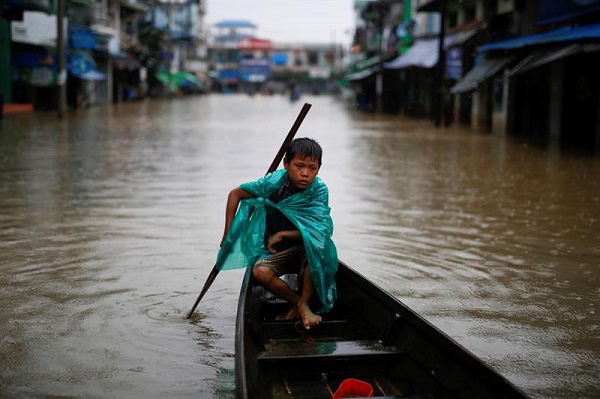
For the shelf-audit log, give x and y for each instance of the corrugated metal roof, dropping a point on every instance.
(480, 74)
(235, 23)
(567, 33)
(424, 53)
(545, 56)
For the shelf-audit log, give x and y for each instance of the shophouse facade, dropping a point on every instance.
(535, 71)
(311, 67)
(507, 66)
(102, 49)
(242, 62)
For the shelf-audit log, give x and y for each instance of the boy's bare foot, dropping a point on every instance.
(290, 314)
(309, 319)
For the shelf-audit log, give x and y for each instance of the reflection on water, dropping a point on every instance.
(111, 219)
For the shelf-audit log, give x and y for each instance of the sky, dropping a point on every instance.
(289, 21)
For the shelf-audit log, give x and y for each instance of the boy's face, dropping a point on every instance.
(302, 171)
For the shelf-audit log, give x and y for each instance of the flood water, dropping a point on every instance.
(111, 219)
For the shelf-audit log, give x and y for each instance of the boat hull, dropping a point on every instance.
(369, 335)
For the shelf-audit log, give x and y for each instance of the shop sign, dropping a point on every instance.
(37, 28)
(254, 70)
(279, 59)
(254, 44)
(80, 63)
(83, 39)
(454, 63)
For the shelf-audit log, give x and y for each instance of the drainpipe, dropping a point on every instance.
(379, 77)
(61, 59)
(438, 81)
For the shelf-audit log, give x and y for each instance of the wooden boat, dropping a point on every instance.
(369, 335)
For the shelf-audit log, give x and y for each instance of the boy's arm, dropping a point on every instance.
(280, 236)
(233, 200)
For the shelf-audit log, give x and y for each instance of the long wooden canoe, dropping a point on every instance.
(369, 335)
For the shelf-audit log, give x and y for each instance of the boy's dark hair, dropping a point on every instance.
(304, 148)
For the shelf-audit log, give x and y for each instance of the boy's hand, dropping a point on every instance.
(280, 236)
(274, 240)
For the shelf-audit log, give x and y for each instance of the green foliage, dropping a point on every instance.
(151, 42)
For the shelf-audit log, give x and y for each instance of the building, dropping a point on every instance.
(242, 62)
(225, 53)
(181, 65)
(14, 12)
(108, 57)
(384, 30)
(311, 67)
(514, 67)
(534, 71)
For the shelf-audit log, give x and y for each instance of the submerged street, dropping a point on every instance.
(111, 220)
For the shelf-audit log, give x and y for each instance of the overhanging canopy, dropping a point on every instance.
(235, 23)
(429, 6)
(93, 74)
(424, 53)
(479, 74)
(365, 68)
(545, 56)
(365, 73)
(567, 33)
(179, 79)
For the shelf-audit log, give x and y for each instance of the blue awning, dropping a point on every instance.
(94, 74)
(567, 33)
(235, 23)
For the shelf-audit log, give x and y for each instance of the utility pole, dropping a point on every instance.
(61, 59)
(382, 8)
(438, 81)
(379, 77)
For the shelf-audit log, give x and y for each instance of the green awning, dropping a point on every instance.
(179, 79)
(366, 64)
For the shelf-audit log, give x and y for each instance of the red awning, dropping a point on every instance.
(250, 43)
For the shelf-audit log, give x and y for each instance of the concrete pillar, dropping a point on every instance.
(556, 94)
(597, 146)
(109, 81)
(475, 119)
(500, 117)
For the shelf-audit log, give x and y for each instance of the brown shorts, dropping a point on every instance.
(289, 261)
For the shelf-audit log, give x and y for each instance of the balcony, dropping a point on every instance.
(128, 41)
(102, 23)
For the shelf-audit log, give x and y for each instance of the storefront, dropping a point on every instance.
(33, 62)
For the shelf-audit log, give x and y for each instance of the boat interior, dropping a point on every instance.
(368, 336)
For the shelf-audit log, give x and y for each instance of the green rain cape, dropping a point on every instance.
(308, 210)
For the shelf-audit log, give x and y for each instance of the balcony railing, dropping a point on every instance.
(128, 40)
(99, 15)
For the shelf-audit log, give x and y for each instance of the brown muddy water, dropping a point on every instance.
(111, 219)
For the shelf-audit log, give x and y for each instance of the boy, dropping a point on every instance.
(283, 226)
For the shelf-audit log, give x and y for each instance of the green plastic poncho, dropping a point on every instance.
(308, 210)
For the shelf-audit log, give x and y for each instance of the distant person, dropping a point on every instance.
(283, 226)
(294, 93)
